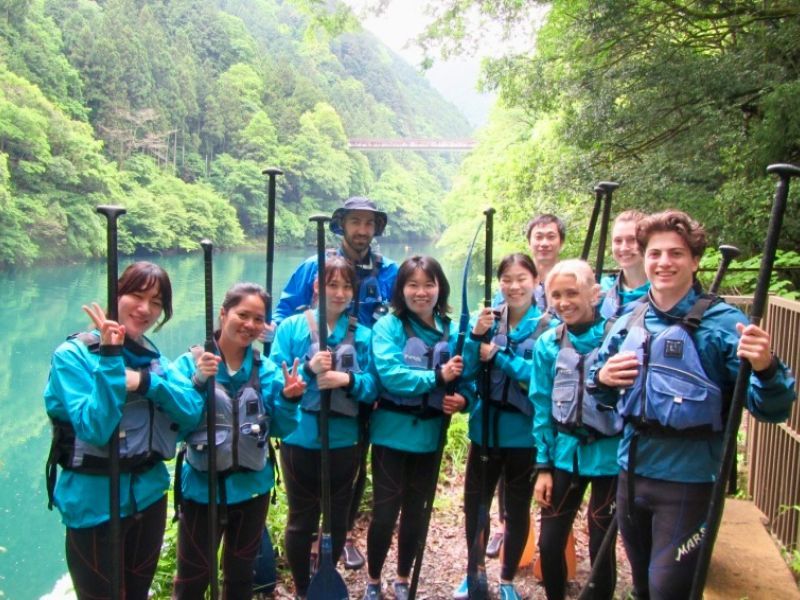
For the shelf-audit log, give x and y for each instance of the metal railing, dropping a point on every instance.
(773, 450)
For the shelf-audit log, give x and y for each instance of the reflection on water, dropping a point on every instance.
(41, 306)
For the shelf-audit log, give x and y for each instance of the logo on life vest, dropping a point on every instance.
(673, 348)
(691, 544)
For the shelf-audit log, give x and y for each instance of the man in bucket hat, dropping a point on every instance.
(358, 222)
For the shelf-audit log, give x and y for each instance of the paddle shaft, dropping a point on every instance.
(272, 173)
(112, 213)
(717, 500)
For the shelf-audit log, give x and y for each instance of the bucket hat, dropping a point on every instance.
(358, 203)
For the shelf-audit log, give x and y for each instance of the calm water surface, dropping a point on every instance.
(41, 306)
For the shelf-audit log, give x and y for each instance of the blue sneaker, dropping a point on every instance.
(508, 592)
(400, 590)
(478, 587)
(462, 591)
(373, 592)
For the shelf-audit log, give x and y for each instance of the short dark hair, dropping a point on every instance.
(431, 267)
(546, 219)
(517, 258)
(675, 221)
(142, 276)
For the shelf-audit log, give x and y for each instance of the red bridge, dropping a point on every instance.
(411, 144)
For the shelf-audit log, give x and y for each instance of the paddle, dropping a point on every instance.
(111, 213)
(327, 583)
(587, 241)
(608, 188)
(717, 500)
(476, 586)
(463, 324)
(211, 421)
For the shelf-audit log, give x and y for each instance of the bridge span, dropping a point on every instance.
(459, 145)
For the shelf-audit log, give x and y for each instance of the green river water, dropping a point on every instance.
(41, 306)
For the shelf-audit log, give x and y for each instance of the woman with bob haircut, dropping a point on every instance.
(114, 376)
(413, 353)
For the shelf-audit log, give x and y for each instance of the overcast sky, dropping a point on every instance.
(455, 79)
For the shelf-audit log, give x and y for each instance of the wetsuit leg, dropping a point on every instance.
(517, 485)
(473, 490)
(88, 557)
(388, 466)
(417, 479)
(636, 529)
(364, 411)
(555, 527)
(242, 540)
(301, 474)
(601, 512)
(677, 514)
(191, 579)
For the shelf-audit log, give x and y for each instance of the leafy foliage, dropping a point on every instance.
(174, 109)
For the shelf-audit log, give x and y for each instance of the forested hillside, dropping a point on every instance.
(685, 103)
(173, 109)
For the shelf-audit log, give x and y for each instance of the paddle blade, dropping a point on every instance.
(327, 583)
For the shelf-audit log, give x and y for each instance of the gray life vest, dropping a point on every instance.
(609, 307)
(672, 394)
(241, 429)
(420, 356)
(147, 434)
(345, 359)
(575, 411)
(505, 392)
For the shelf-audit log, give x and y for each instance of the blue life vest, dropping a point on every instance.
(672, 395)
(418, 355)
(505, 392)
(345, 360)
(370, 303)
(573, 410)
(147, 435)
(609, 307)
(241, 429)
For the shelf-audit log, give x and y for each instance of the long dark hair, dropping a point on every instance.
(142, 276)
(431, 267)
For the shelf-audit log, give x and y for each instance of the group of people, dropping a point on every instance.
(620, 386)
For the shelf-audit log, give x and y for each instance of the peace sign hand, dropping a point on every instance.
(294, 386)
(111, 332)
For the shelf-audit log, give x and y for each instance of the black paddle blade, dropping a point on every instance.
(327, 583)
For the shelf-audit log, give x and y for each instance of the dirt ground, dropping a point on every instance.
(446, 558)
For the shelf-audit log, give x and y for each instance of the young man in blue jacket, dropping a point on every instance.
(669, 366)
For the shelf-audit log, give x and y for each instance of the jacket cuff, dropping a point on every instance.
(115, 350)
(308, 371)
(144, 381)
(770, 371)
(352, 383)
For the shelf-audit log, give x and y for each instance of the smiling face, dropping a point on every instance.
(516, 285)
(421, 293)
(338, 294)
(670, 267)
(359, 229)
(623, 245)
(545, 245)
(138, 311)
(573, 301)
(243, 323)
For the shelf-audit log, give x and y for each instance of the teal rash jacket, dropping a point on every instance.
(284, 415)
(403, 431)
(293, 340)
(557, 448)
(626, 296)
(514, 427)
(769, 396)
(88, 390)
